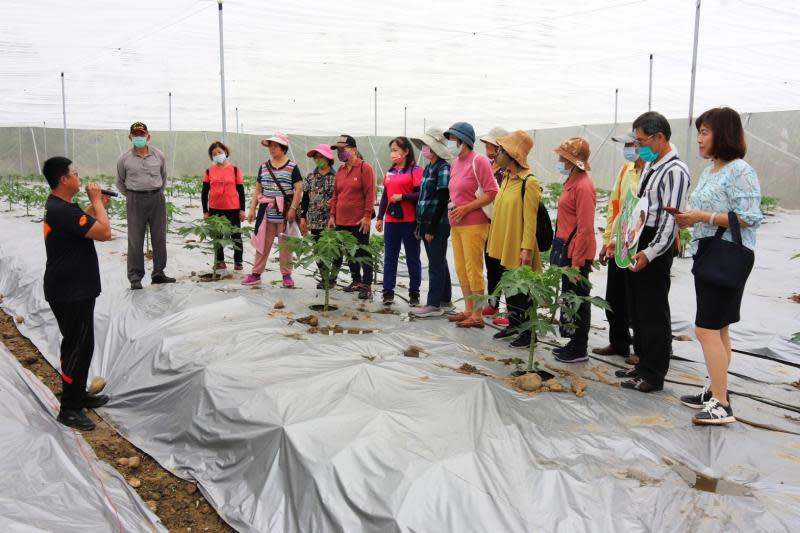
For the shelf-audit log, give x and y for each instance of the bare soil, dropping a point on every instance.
(178, 503)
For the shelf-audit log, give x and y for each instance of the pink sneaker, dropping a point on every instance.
(500, 321)
(252, 279)
(288, 282)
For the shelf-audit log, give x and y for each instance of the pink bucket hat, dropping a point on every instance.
(322, 149)
(280, 138)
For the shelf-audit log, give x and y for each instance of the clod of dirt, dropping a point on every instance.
(648, 421)
(279, 305)
(599, 374)
(578, 386)
(191, 488)
(424, 378)
(795, 384)
(154, 496)
(488, 358)
(97, 384)
(310, 320)
(134, 461)
(794, 297)
(295, 335)
(20, 319)
(414, 351)
(553, 385)
(683, 338)
(123, 461)
(134, 482)
(529, 382)
(152, 505)
(512, 361)
(468, 368)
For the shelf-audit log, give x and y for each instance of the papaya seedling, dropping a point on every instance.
(213, 232)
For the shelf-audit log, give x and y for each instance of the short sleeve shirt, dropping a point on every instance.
(222, 193)
(72, 272)
(403, 181)
(286, 177)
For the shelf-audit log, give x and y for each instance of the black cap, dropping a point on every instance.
(344, 140)
(138, 126)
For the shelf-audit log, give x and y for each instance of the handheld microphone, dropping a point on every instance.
(107, 192)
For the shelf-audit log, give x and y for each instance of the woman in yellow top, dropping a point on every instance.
(512, 235)
(619, 335)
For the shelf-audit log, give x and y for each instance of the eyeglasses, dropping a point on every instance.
(638, 143)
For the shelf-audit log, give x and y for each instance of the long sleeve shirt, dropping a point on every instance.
(353, 194)
(666, 184)
(576, 208)
(627, 180)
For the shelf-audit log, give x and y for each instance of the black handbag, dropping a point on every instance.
(724, 263)
(559, 252)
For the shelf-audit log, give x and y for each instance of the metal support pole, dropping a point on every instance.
(237, 121)
(650, 87)
(44, 134)
(222, 70)
(64, 113)
(691, 90)
(170, 111)
(616, 106)
(36, 153)
(424, 125)
(19, 132)
(405, 120)
(376, 111)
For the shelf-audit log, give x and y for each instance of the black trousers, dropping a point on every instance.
(648, 308)
(619, 334)
(517, 305)
(76, 323)
(357, 268)
(233, 217)
(494, 271)
(578, 329)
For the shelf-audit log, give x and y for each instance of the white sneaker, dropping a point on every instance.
(427, 311)
(448, 308)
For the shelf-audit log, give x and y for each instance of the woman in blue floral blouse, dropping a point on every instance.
(728, 184)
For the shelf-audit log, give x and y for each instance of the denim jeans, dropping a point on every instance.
(439, 288)
(395, 234)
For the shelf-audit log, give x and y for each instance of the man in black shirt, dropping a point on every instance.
(72, 281)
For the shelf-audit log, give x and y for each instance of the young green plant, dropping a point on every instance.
(213, 232)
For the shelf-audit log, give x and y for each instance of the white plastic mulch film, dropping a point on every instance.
(289, 428)
(52, 480)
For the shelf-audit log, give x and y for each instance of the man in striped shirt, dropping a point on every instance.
(665, 183)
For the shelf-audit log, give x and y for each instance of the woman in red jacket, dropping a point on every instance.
(575, 236)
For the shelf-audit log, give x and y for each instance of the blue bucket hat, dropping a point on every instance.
(462, 131)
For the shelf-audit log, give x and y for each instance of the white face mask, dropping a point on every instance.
(453, 147)
(561, 166)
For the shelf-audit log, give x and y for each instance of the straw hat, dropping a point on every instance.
(434, 138)
(494, 133)
(279, 138)
(517, 145)
(576, 150)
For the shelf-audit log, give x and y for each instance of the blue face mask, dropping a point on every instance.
(630, 153)
(562, 168)
(647, 154)
(139, 142)
(219, 159)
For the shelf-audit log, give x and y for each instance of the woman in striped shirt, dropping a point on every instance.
(278, 191)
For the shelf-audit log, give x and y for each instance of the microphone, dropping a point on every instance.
(108, 192)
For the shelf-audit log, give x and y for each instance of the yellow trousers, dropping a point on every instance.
(469, 243)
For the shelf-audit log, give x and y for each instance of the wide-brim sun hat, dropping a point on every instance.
(462, 131)
(576, 150)
(494, 133)
(279, 138)
(517, 145)
(625, 138)
(435, 139)
(322, 149)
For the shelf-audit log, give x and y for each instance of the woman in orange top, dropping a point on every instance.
(223, 195)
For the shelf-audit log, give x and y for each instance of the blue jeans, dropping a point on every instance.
(439, 289)
(396, 233)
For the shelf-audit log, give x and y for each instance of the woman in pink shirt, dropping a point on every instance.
(575, 230)
(472, 188)
(399, 209)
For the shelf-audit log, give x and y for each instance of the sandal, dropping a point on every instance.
(471, 322)
(458, 317)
